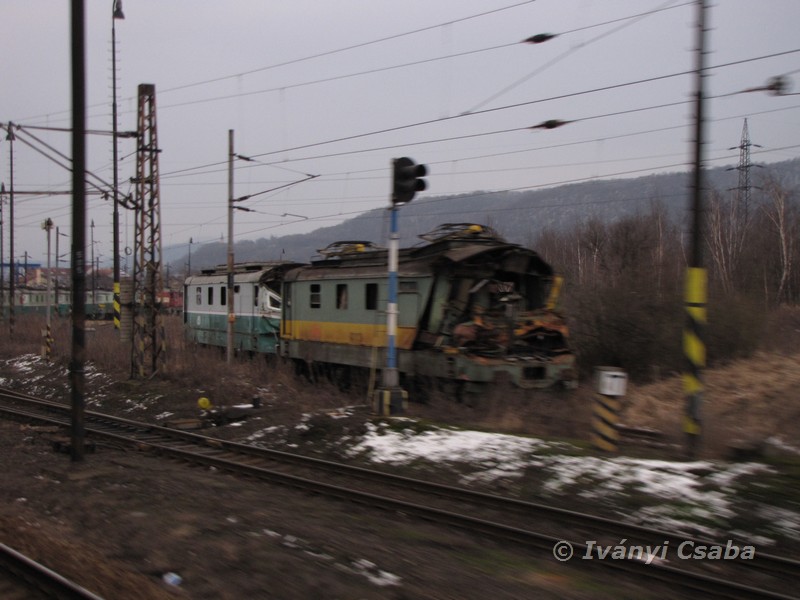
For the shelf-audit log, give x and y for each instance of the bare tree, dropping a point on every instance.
(728, 225)
(784, 216)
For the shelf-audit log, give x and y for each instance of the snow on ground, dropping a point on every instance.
(29, 367)
(359, 566)
(696, 495)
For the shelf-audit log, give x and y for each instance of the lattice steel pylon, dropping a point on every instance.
(744, 187)
(148, 352)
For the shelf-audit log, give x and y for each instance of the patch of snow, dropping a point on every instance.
(691, 496)
(375, 575)
(777, 442)
(781, 520)
(498, 455)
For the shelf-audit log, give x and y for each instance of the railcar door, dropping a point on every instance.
(286, 311)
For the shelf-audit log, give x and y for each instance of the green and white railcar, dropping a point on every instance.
(256, 306)
(28, 300)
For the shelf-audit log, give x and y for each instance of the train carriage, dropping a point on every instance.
(472, 309)
(28, 300)
(256, 304)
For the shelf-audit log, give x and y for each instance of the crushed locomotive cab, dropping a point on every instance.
(472, 309)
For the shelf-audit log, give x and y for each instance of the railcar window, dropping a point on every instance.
(341, 296)
(255, 295)
(236, 289)
(316, 295)
(371, 296)
(210, 295)
(223, 296)
(199, 295)
(408, 287)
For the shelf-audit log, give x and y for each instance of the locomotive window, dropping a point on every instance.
(210, 295)
(199, 295)
(223, 296)
(236, 289)
(341, 296)
(316, 296)
(255, 295)
(371, 296)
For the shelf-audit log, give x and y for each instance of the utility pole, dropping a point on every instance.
(189, 266)
(695, 290)
(229, 299)
(11, 280)
(116, 14)
(48, 338)
(744, 187)
(58, 258)
(91, 261)
(148, 333)
(2, 257)
(76, 366)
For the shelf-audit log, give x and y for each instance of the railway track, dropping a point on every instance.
(23, 578)
(533, 525)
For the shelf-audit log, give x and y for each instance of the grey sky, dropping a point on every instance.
(289, 117)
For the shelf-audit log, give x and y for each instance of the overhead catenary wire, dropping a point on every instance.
(348, 48)
(328, 176)
(485, 111)
(315, 56)
(420, 62)
(627, 22)
(434, 201)
(483, 156)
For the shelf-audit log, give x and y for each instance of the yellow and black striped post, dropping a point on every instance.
(694, 350)
(390, 401)
(47, 342)
(696, 277)
(117, 305)
(610, 384)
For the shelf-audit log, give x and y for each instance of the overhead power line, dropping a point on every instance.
(627, 22)
(346, 48)
(489, 110)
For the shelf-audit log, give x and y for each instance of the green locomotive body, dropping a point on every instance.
(472, 309)
(256, 303)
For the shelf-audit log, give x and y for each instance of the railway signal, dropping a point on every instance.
(407, 179)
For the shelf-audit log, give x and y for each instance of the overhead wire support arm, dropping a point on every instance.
(275, 189)
(66, 166)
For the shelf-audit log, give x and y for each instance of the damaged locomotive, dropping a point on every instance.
(473, 309)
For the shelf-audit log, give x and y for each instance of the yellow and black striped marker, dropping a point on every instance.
(610, 384)
(390, 401)
(694, 350)
(605, 435)
(47, 347)
(117, 304)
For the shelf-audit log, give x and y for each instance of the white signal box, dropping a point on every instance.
(610, 381)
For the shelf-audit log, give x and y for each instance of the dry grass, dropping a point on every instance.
(752, 398)
(191, 371)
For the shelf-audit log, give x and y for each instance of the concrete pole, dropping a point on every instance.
(78, 361)
(48, 226)
(229, 299)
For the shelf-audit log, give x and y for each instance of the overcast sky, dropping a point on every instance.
(336, 89)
